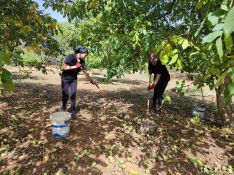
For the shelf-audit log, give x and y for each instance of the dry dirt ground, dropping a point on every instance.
(113, 135)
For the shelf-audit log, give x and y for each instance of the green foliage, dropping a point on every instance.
(219, 46)
(213, 19)
(207, 170)
(24, 25)
(196, 119)
(167, 99)
(229, 91)
(64, 37)
(212, 36)
(196, 38)
(122, 44)
(31, 59)
(211, 58)
(5, 75)
(4, 58)
(180, 88)
(228, 23)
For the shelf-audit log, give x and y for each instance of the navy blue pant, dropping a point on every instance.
(69, 88)
(158, 93)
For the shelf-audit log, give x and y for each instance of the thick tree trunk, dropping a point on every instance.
(226, 112)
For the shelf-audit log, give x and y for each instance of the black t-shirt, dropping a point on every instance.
(159, 69)
(71, 60)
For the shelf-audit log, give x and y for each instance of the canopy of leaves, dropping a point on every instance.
(22, 25)
(193, 36)
(120, 33)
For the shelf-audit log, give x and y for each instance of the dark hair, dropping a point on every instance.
(80, 49)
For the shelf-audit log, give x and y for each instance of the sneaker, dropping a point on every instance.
(156, 112)
(159, 110)
(73, 115)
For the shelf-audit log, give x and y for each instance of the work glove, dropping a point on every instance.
(78, 65)
(151, 86)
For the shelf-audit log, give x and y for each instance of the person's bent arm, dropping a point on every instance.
(67, 67)
(158, 76)
(150, 74)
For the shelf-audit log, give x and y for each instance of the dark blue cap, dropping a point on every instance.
(80, 49)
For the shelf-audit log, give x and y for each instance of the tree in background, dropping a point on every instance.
(193, 36)
(64, 39)
(23, 25)
(206, 51)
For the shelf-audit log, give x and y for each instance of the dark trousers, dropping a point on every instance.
(158, 94)
(69, 88)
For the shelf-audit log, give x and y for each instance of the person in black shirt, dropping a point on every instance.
(161, 79)
(73, 64)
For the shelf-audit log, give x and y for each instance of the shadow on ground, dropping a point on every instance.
(107, 137)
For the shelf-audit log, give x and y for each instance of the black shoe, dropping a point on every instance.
(63, 109)
(155, 111)
(73, 115)
(159, 109)
(158, 112)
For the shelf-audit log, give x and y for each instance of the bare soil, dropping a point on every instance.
(113, 134)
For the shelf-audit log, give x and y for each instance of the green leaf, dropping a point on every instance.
(231, 72)
(213, 19)
(229, 92)
(175, 51)
(0, 81)
(185, 44)
(196, 162)
(224, 7)
(174, 59)
(167, 99)
(4, 57)
(179, 64)
(230, 169)
(230, 63)
(214, 71)
(132, 172)
(228, 42)
(94, 164)
(144, 32)
(219, 46)
(199, 4)
(218, 27)
(229, 22)
(211, 37)
(200, 27)
(164, 59)
(221, 79)
(8, 85)
(6, 75)
(220, 13)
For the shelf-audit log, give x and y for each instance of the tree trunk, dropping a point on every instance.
(226, 112)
